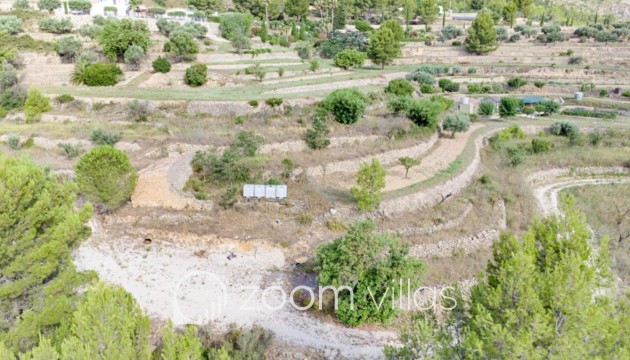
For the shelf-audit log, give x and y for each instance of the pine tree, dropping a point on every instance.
(509, 13)
(294, 32)
(482, 36)
(39, 228)
(302, 31)
(108, 324)
(383, 47)
(185, 346)
(545, 296)
(317, 138)
(370, 184)
(428, 12)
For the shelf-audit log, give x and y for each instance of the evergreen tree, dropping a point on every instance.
(105, 176)
(108, 324)
(263, 31)
(428, 12)
(39, 228)
(317, 137)
(509, 13)
(294, 31)
(482, 36)
(185, 346)
(545, 296)
(370, 184)
(383, 47)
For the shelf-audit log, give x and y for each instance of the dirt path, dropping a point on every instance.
(198, 283)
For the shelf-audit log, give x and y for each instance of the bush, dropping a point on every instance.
(539, 84)
(603, 93)
(586, 31)
(514, 38)
(452, 87)
(161, 65)
(399, 87)
(442, 83)
(451, 31)
(474, 88)
(55, 26)
(21, 4)
(515, 154)
(421, 77)
(64, 98)
(508, 107)
(118, 35)
(472, 70)
(231, 23)
(69, 150)
(516, 82)
(35, 105)
(240, 42)
(106, 177)
(456, 43)
(547, 107)
(104, 137)
(273, 102)
(304, 50)
(540, 146)
(80, 5)
(14, 142)
(363, 26)
(399, 104)
(11, 24)
(454, 123)
(562, 128)
(594, 138)
(90, 30)
(182, 46)
(68, 48)
(346, 105)
(338, 41)
(427, 89)
(253, 103)
(349, 58)
(576, 60)
(48, 5)
(589, 113)
(102, 74)
(626, 94)
(134, 56)
(424, 113)
(138, 111)
(196, 75)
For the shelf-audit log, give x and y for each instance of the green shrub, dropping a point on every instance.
(231, 22)
(349, 58)
(273, 102)
(102, 74)
(304, 50)
(55, 26)
(138, 111)
(35, 105)
(363, 26)
(399, 104)
(472, 70)
(421, 77)
(14, 142)
(317, 137)
(540, 146)
(161, 65)
(10, 24)
(21, 4)
(48, 5)
(196, 75)
(253, 103)
(424, 113)
(452, 87)
(68, 48)
(346, 105)
(119, 34)
(516, 82)
(80, 5)
(399, 87)
(486, 108)
(563, 128)
(228, 199)
(133, 56)
(509, 106)
(106, 177)
(427, 89)
(182, 46)
(69, 150)
(64, 98)
(539, 84)
(451, 31)
(547, 107)
(589, 113)
(338, 41)
(455, 123)
(594, 138)
(515, 154)
(104, 137)
(603, 93)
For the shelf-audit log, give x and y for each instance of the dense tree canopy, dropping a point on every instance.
(482, 36)
(547, 296)
(370, 263)
(383, 47)
(118, 35)
(39, 228)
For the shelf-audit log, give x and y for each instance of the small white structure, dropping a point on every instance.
(466, 106)
(269, 192)
(578, 95)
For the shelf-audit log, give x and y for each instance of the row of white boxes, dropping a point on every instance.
(271, 192)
